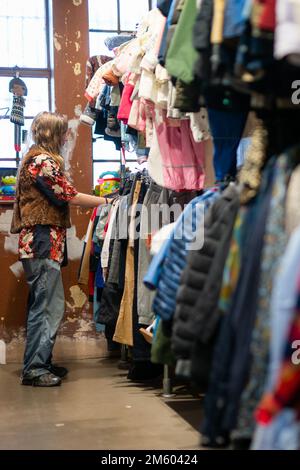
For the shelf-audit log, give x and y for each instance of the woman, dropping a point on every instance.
(41, 217)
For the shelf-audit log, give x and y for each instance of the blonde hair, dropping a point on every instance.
(48, 131)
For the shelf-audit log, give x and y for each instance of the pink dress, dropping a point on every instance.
(183, 159)
(125, 103)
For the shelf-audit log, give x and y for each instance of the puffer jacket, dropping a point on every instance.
(176, 255)
(182, 55)
(197, 314)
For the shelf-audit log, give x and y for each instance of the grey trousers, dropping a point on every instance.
(159, 198)
(145, 296)
(46, 308)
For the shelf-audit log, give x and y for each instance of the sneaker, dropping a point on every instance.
(59, 371)
(45, 380)
(88, 116)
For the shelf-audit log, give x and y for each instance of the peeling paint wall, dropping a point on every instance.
(13, 291)
(77, 336)
(70, 24)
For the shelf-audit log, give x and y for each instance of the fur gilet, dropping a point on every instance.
(32, 207)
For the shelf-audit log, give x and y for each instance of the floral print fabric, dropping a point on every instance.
(47, 241)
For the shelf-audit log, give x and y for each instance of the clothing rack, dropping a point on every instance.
(130, 176)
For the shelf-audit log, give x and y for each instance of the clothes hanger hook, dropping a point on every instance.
(17, 71)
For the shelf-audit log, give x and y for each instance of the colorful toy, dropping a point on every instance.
(8, 187)
(109, 183)
(9, 180)
(8, 190)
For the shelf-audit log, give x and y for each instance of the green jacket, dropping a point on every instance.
(182, 55)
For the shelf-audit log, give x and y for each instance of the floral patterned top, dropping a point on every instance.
(47, 241)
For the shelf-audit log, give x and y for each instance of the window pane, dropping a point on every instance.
(99, 168)
(5, 96)
(7, 140)
(105, 149)
(132, 166)
(131, 13)
(102, 167)
(23, 33)
(36, 100)
(97, 46)
(30, 8)
(8, 164)
(103, 14)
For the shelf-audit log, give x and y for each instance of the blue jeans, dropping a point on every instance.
(46, 308)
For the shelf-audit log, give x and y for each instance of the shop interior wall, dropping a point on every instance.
(77, 337)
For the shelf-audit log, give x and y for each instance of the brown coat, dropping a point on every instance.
(32, 207)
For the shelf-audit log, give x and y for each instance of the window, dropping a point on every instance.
(24, 38)
(122, 17)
